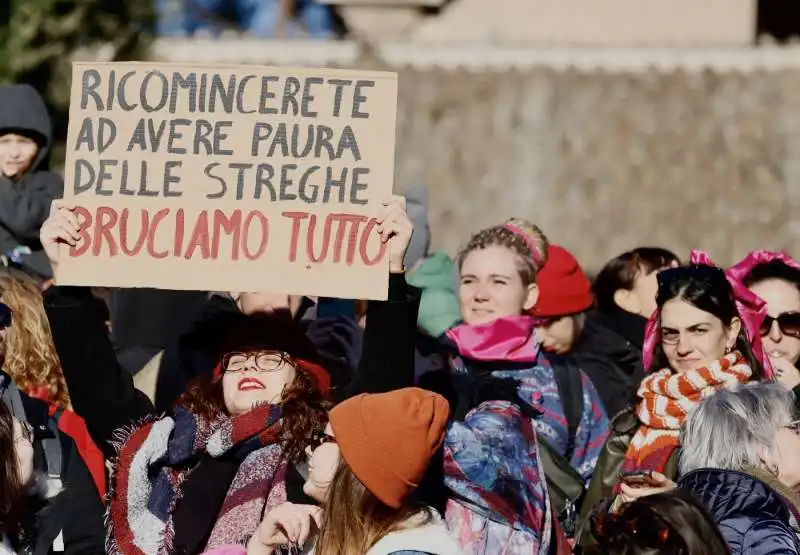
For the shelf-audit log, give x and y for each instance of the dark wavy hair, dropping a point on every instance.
(12, 490)
(707, 289)
(775, 269)
(304, 409)
(621, 272)
(671, 523)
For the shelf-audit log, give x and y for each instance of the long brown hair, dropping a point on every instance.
(355, 519)
(12, 490)
(304, 408)
(30, 354)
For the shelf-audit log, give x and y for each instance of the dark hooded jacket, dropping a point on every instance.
(25, 200)
(609, 351)
(754, 514)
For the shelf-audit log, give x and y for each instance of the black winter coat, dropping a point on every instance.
(609, 351)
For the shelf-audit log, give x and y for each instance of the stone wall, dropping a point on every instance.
(606, 149)
(607, 161)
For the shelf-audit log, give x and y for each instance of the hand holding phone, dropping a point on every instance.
(641, 479)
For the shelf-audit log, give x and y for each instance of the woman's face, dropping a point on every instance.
(23, 445)
(785, 455)
(491, 286)
(558, 335)
(254, 378)
(781, 298)
(692, 338)
(323, 461)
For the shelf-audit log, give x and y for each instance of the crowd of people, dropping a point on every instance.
(496, 403)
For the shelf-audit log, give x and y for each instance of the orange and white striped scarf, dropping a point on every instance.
(666, 400)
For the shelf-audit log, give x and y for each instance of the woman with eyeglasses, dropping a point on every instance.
(16, 478)
(740, 456)
(39, 515)
(704, 337)
(775, 277)
(673, 523)
(234, 445)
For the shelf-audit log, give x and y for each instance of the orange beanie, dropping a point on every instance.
(388, 439)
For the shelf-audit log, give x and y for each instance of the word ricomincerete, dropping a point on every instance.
(217, 234)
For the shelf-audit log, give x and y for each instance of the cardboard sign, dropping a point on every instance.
(230, 178)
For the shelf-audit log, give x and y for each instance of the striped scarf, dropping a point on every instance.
(155, 458)
(667, 398)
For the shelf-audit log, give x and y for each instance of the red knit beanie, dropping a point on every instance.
(388, 439)
(563, 287)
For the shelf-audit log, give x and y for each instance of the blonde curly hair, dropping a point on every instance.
(525, 239)
(30, 354)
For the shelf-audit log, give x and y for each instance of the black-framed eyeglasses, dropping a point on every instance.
(266, 361)
(320, 437)
(5, 316)
(788, 322)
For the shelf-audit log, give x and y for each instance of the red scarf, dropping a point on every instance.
(667, 398)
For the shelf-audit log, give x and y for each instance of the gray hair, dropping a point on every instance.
(734, 427)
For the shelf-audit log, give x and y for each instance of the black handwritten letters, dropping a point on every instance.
(222, 158)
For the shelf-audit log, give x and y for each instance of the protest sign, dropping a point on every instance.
(230, 178)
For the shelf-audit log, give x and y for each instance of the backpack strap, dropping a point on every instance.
(570, 389)
(52, 447)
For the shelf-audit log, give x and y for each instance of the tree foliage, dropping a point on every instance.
(38, 39)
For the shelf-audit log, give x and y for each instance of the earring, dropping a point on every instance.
(773, 469)
(728, 350)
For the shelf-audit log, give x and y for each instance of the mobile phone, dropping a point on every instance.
(640, 480)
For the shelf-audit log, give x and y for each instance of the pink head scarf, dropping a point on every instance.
(751, 308)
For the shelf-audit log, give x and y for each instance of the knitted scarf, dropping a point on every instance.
(155, 458)
(666, 399)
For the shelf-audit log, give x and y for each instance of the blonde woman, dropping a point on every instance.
(29, 357)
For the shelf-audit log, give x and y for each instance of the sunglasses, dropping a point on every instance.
(320, 438)
(639, 527)
(788, 322)
(5, 316)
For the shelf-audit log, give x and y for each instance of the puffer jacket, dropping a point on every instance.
(756, 514)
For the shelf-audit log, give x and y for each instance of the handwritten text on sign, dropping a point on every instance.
(230, 178)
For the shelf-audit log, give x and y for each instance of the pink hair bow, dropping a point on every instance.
(741, 270)
(751, 308)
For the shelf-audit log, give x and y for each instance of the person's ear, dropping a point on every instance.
(733, 333)
(768, 462)
(531, 296)
(627, 301)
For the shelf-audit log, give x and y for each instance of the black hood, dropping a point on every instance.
(23, 111)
